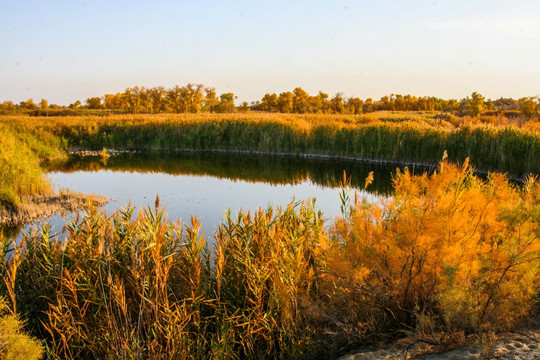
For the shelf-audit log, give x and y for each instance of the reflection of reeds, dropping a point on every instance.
(272, 170)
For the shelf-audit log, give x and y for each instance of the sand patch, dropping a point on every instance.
(523, 345)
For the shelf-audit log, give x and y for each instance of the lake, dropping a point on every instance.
(207, 184)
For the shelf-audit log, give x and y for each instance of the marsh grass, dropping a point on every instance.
(20, 169)
(448, 257)
(384, 136)
(125, 287)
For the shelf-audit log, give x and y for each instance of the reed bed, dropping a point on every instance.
(385, 136)
(448, 254)
(121, 287)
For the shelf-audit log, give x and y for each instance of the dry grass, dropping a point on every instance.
(448, 256)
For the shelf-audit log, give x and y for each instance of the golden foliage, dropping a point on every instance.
(448, 252)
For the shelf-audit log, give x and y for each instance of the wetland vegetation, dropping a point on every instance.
(447, 256)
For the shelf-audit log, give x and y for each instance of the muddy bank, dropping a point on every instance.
(39, 206)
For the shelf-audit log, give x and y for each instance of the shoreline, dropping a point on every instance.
(36, 207)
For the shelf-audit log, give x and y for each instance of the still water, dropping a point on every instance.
(207, 184)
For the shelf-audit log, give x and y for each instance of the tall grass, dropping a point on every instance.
(21, 155)
(412, 138)
(124, 287)
(449, 253)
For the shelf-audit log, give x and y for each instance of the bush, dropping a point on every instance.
(448, 253)
(14, 343)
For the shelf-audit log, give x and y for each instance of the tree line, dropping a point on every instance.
(195, 98)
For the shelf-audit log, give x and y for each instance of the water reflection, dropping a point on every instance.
(207, 184)
(252, 168)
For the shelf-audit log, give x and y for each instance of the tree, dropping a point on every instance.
(325, 104)
(44, 105)
(285, 102)
(28, 104)
(300, 101)
(354, 105)
(477, 104)
(244, 107)
(133, 99)
(226, 103)
(114, 102)
(94, 103)
(75, 105)
(210, 99)
(156, 98)
(337, 104)
(528, 106)
(368, 105)
(174, 97)
(270, 103)
(8, 106)
(193, 97)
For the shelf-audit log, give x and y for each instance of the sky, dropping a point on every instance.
(71, 50)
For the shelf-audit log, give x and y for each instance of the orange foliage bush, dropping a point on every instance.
(449, 252)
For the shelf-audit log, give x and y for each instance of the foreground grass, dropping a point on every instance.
(448, 254)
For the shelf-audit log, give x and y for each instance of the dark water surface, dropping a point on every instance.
(207, 184)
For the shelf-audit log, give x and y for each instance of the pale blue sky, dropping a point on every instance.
(68, 50)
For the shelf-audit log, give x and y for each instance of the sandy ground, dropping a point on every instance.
(36, 207)
(522, 345)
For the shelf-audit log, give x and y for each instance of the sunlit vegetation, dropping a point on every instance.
(15, 344)
(397, 137)
(448, 253)
(196, 98)
(21, 153)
